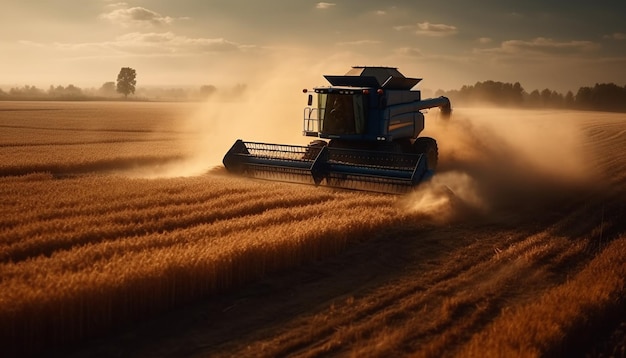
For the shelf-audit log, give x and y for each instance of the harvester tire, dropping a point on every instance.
(427, 146)
(314, 149)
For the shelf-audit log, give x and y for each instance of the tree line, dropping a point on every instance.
(126, 81)
(108, 92)
(600, 97)
(125, 86)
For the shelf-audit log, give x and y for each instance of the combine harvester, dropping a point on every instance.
(369, 121)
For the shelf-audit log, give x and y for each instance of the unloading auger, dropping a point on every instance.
(367, 123)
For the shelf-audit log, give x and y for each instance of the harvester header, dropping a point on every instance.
(367, 124)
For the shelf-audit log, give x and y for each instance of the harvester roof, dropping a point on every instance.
(374, 76)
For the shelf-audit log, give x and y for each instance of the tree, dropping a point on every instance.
(534, 98)
(517, 94)
(546, 97)
(126, 81)
(569, 99)
(583, 97)
(26, 91)
(70, 91)
(108, 89)
(608, 97)
(557, 100)
(207, 90)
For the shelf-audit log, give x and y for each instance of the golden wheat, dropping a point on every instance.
(80, 255)
(105, 247)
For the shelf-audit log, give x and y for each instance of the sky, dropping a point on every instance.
(561, 45)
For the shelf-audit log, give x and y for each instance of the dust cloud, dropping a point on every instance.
(494, 161)
(267, 107)
(490, 160)
(263, 103)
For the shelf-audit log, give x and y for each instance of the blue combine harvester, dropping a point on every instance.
(367, 123)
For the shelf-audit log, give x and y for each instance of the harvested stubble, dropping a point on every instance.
(558, 321)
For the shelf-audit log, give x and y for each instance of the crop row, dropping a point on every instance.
(21, 160)
(18, 136)
(82, 255)
(74, 225)
(103, 116)
(70, 138)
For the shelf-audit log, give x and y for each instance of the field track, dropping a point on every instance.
(517, 249)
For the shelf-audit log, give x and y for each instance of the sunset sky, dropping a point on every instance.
(560, 45)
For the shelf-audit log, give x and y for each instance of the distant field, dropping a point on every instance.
(528, 257)
(67, 138)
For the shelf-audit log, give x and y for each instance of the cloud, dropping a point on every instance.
(540, 53)
(403, 27)
(358, 43)
(381, 12)
(546, 45)
(324, 5)
(138, 16)
(429, 29)
(171, 43)
(29, 43)
(409, 51)
(116, 4)
(150, 44)
(616, 36)
(484, 40)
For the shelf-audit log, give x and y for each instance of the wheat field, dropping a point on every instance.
(103, 227)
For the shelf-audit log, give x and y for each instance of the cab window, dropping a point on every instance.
(342, 113)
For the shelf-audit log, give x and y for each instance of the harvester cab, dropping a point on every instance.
(367, 124)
